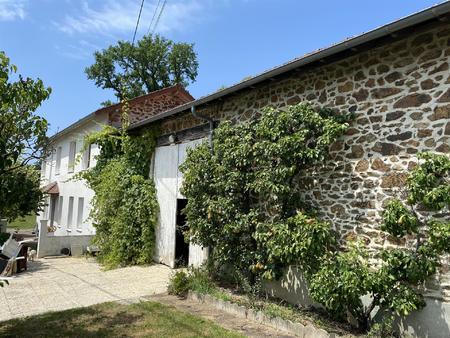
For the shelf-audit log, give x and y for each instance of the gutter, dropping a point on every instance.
(431, 13)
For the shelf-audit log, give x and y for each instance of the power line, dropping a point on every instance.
(137, 23)
(153, 17)
(159, 16)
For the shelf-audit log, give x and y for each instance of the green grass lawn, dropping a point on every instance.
(23, 223)
(145, 319)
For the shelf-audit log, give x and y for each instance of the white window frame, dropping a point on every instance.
(87, 157)
(80, 212)
(70, 212)
(58, 160)
(72, 154)
(59, 210)
(43, 168)
(46, 211)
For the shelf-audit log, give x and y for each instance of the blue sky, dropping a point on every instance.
(55, 39)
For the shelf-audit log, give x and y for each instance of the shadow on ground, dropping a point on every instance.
(147, 319)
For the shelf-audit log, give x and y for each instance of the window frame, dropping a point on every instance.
(72, 155)
(58, 160)
(80, 212)
(87, 157)
(70, 211)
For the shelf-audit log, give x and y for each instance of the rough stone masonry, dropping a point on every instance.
(400, 95)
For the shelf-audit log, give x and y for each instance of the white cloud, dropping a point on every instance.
(12, 9)
(119, 16)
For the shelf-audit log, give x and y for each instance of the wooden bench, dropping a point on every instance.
(16, 254)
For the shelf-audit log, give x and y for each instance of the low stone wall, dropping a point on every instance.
(50, 245)
(288, 326)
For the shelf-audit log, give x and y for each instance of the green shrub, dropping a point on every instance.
(245, 202)
(179, 284)
(200, 280)
(124, 208)
(242, 197)
(192, 279)
(384, 329)
(341, 281)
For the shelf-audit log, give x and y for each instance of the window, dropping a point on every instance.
(70, 212)
(87, 157)
(43, 168)
(53, 209)
(45, 213)
(59, 210)
(72, 152)
(80, 212)
(58, 160)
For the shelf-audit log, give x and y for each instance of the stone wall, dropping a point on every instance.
(400, 96)
(145, 106)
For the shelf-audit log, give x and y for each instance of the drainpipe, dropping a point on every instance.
(211, 126)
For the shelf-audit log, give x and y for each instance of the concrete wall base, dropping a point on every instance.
(433, 321)
(50, 245)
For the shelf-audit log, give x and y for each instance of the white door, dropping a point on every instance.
(165, 177)
(168, 180)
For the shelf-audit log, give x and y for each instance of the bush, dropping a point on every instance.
(341, 281)
(244, 201)
(124, 208)
(124, 215)
(192, 279)
(179, 284)
(242, 197)
(384, 329)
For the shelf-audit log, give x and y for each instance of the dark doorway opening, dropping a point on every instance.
(181, 247)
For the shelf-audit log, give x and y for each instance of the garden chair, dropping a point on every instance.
(16, 255)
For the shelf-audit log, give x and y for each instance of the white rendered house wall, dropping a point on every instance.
(71, 217)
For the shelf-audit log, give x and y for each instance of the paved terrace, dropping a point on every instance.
(62, 283)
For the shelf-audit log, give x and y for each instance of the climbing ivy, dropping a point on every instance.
(245, 202)
(394, 277)
(124, 208)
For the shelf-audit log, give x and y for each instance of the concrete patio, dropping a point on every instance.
(56, 284)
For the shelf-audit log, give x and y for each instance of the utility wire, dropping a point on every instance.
(137, 23)
(153, 17)
(159, 16)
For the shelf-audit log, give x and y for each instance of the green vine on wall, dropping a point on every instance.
(245, 202)
(124, 208)
(396, 281)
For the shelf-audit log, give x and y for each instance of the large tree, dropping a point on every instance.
(153, 63)
(23, 140)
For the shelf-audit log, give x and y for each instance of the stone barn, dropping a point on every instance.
(396, 81)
